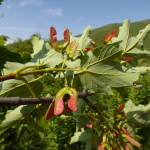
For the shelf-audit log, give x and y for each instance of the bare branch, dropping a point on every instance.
(88, 102)
(16, 101)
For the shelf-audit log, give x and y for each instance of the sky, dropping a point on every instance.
(22, 18)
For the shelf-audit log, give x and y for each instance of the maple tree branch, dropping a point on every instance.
(88, 102)
(16, 101)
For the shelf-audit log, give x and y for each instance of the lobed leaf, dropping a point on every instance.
(100, 72)
(39, 48)
(132, 46)
(82, 41)
(136, 115)
(44, 54)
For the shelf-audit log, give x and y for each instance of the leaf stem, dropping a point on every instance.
(27, 84)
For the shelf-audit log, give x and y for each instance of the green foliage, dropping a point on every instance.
(24, 48)
(84, 136)
(4, 38)
(81, 120)
(6, 55)
(44, 54)
(136, 116)
(1, 1)
(101, 70)
(14, 87)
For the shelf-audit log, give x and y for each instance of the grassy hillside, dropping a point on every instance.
(99, 34)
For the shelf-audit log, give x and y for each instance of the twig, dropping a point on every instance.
(88, 102)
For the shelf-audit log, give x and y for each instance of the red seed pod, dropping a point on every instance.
(127, 147)
(128, 59)
(68, 109)
(123, 115)
(89, 48)
(125, 131)
(120, 107)
(57, 105)
(107, 36)
(93, 44)
(53, 37)
(90, 118)
(114, 32)
(66, 35)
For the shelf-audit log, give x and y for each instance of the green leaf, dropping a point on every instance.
(136, 115)
(1, 42)
(15, 116)
(100, 72)
(6, 55)
(39, 48)
(44, 54)
(51, 59)
(73, 64)
(123, 34)
(129, 42)
(40, 120)
(83, 41)
(92, 141)
(81, 120)
(13, 87)
(22, 114)
(133, 46)
(140, 70)
(31, 124)
(138, 41)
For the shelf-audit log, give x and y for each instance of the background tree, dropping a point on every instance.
(1, 1)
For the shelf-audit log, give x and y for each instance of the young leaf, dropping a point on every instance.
(128, 42)
(132, 46)
(39, 48)
(83, 41)
(44, 54)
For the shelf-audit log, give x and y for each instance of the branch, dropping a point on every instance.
(16, 101)
(88, 102)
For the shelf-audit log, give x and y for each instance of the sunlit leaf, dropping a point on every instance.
(39, 48)
(44, 54)
(83, 41)
(132, 46)
(100, 72)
